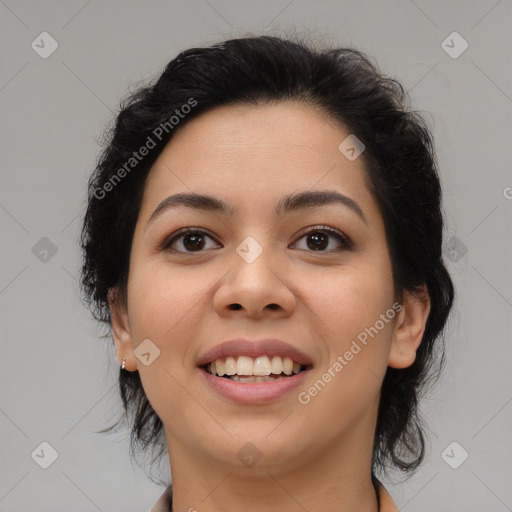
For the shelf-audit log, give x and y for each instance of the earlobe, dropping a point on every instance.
(409, 329)
(121, 331)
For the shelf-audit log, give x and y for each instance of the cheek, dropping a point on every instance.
(162, 301)
(354, 298)
(355, 316)
(357, 303)
(357, 341)
(165, 307)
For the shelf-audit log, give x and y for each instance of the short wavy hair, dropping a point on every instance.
(401, 173)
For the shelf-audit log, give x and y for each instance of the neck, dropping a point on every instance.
(338, 479)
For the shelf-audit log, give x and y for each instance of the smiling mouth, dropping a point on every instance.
(247, 369)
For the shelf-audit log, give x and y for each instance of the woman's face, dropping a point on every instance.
(255, 273)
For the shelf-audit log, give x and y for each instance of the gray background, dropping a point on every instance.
(57, 378)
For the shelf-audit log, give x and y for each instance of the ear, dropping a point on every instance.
(409, 329)
(121, 330)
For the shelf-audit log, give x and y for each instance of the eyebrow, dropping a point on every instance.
(287, 204)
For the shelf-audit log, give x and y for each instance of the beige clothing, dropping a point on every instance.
(387, 504)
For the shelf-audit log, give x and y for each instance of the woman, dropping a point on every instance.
(264, 239)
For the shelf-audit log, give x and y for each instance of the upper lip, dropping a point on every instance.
(254, 348)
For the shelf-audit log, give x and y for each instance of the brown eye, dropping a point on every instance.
(187, 240)
(318, 239)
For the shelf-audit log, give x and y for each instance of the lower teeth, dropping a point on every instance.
(253, 378)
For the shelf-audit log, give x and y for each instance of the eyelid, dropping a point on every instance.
(168, 240)
(335, 233)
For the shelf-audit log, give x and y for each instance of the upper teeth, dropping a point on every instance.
(245, 365)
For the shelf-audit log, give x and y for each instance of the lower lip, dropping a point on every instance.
(254, 392)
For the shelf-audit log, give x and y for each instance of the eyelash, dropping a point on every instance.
(344, 240)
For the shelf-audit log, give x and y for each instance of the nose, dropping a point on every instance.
(255, 289)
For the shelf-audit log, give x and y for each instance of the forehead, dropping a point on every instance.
(251, 156)
(290, 129)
